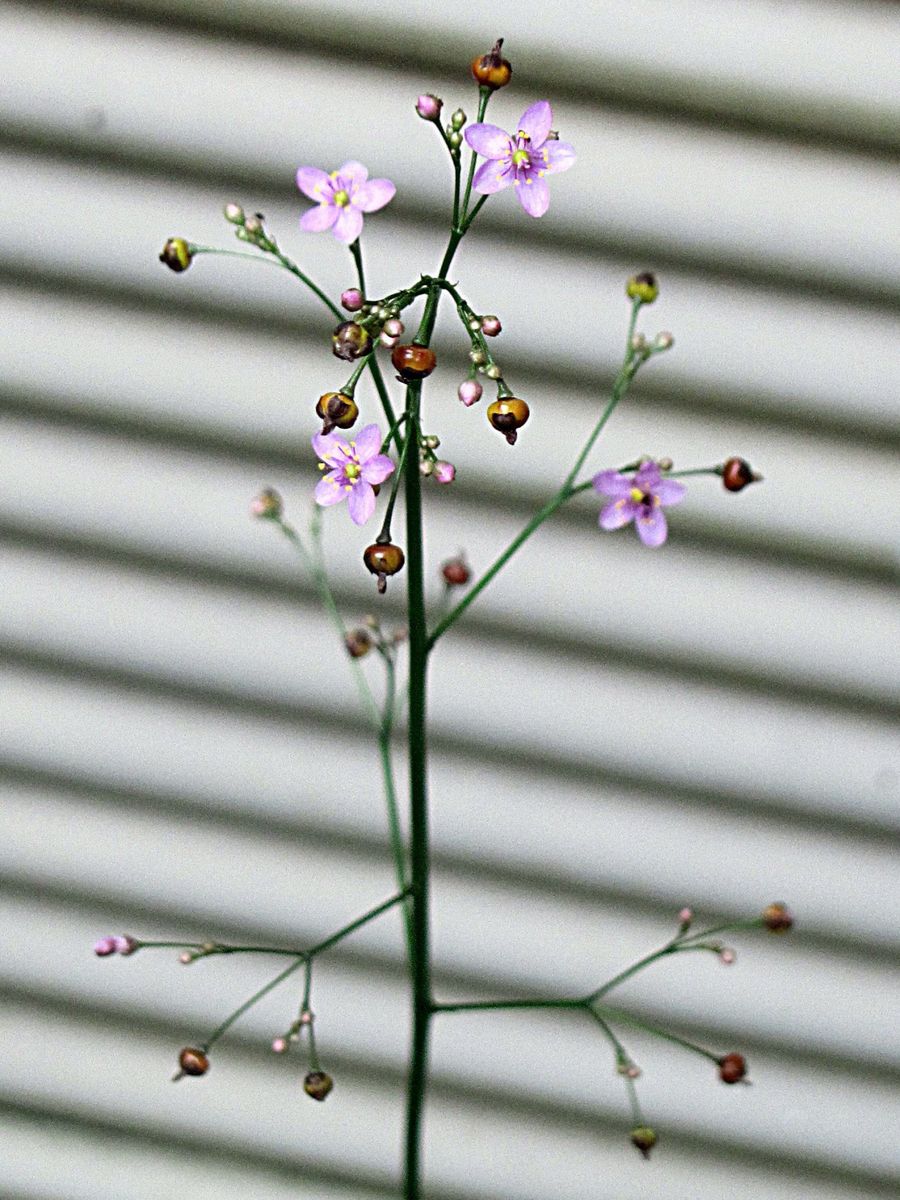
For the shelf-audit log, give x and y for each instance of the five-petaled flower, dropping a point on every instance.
(343, 197)
(639, 497)
(521, 160)
(352, 470)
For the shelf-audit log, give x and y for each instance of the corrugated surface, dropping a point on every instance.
(616, 733)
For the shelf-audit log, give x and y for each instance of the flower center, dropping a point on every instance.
(352, 471)
(341, 198)
(521, 158)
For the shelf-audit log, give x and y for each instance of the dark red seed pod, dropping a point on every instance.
(737, 474)
(456, 572)
(193, 1061)
(777, 918)
(383, 559)
(350, 341)
(317, 1084)
(491, 70)
(176, 254)
(413, 362)
(732, 1068)
(336, 409)
(508, 416)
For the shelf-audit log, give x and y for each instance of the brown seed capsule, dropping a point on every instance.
(176, 254)
(508, 416)
(777, 918)
(732, 1068)
(642, 287)
(317, 1084)
(336, 409)
(383, 559)
(644, 1138)
(350, 341)
(413, 362)
(737, 474)
(358, 643)
(193, 1061)
(456, 572)
(491, 70)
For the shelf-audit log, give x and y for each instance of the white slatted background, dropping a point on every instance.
(616, 733)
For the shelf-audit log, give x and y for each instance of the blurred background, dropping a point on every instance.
(617, 732)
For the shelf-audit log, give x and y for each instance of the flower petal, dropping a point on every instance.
(374, 195)
(611, 483)
(361, 502)
(555, 157)
(670, 491)
(490, 141)
(314, 183)
(534, 195)
(652, 529)
(377, 469)
(328, 446)
(367, 443)
(493, 176)
(535, 123)
(617, 514)
(352, 173)
(328, 490)
(320, 218)
(348, 226)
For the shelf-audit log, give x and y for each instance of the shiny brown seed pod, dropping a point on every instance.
(456, 572)
(413, 362)
(176, 254)
(508, 416)
(732, 1068)
(350, 341)
(737, 474)
(644, 1138)
(383, 559)
(337, 410)
(317, 1084)
(777, 918)
(491, 70)
(193, 1061)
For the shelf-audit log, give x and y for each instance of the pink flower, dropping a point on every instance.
(521, 161)
(343, 197)
(354, 468)
(639, 498)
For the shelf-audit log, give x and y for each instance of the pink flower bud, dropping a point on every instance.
(306, 1017)
(490, 326)
(393, 328)
(444, 472)
(280, 1045)
(686, 916)
(429, 107)
(105, 947)
(387, 340)
(727, 956)
(470, 392)
(186, 958)
(352, 299)
(126, 945)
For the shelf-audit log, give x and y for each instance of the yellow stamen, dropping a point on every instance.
(637, 495)
(341, 198)
(352, 471)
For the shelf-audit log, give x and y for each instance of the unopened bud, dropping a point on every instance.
(306, 1017)
(105, 947)
(280, 1045)
(629, 1069)
(644, 1138)
(317, 1084)
(470, 392)
(493, 371)
(352, 299)
(431, 442)
(458, 119)
(393, 328)
(777, 918)
(186, 958)
(478, 357)
(254, 225)
(176, 254)
(685, 917)
(126, 945)
(638, 343)
(455, 138)
(429, 107)
(385, 339)
(663, 341)
(665, 464)
(268, 505)
(234, 213)
(358, 643)
(727, 956)
(444, 472)
(426, 467)
(456, 571)
(490, 326)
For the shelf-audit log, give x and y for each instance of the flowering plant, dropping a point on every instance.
(372, 469)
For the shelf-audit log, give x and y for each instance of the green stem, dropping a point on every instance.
(492, 1005)
(374, 368)
(398, 848)
(484, 95)
(254, 999)
(662, 952)
(623, 1059)
(475, 211)
(639, 1023)
(352, 926)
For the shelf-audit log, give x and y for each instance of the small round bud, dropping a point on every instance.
(186, 958)
(317, 1084)
(642, 287)
(456, 572)
(663, 341)
(280, 1045)
(777, 918)
(727, 956)
(638, 343)
(738, 474)
(685, 917)
(491, 70)
(254, 225)
(350, 341)
(665, 464)
(336, 409)
(176, 254)
(426, 467)
(413, 362)
(352, 299)
(393, 328)
(429, 107)
(126, 945)
(193, 1061)
(490, 326)
(629, 1069)
(444, 472)
(386, 340)
(473, 323)
(383, 559)
(644, 1138)
(458, 119)
(234, 213)
(732, 1068)
(493, 371)
(358, 643)
(455, 138)
(478, 357)
(268, 505)
(306, 1017)
(105, 947)
(508, 416)
(470, 392)
(431, 442)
